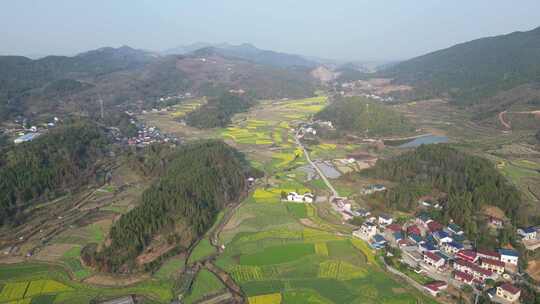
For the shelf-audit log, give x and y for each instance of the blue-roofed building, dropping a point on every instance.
(509, 256)
(423, 219)
(529, 233)
(459, 238)
(427, 246)
(431, 239)
(452, 247)
(444, 256)
(397, 236)
(442, 237)
(455, 229)
(378, 241)
(26, 137)
(415, 238)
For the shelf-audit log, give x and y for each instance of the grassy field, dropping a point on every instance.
(206, 284)
(44, 283)
(201, 251)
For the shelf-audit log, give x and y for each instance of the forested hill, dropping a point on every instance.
(361, 116)
(251, 53)
(182, 204)
(219, 111)
(126, 78)
(49, 165)
(476, 69)
(470, 182)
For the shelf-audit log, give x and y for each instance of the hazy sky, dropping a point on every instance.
(341, 29)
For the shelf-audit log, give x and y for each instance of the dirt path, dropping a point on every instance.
(507, 124)
(503, 122)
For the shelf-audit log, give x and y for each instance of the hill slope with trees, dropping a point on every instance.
(132, 78)
(471, 71)
(200, 179)
(48, 166)
(470, 183)
(360, 116)
(219, 111)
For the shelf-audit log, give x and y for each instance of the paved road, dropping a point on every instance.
(319, 171)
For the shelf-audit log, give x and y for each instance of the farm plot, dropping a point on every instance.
(278, 254)
(206, 284)
(273, 298)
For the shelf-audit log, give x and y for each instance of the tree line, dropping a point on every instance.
(195, 185)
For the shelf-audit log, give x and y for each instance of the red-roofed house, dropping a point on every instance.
(493, 265)
(488, 254)
(394, 227)
(509, 292)
(480, 274)
(463, 277)
(468, 255)
(434, 226)
(433, 259)
(413, 230)
(434, 288)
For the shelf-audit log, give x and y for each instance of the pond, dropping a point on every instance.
(424, 140)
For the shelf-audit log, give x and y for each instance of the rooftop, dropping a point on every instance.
(508, 252)
(510, 288)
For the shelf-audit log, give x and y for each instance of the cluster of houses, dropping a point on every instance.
(443, 251)
(29, 133)
(373, 188)
(300, 198)
(149, 135)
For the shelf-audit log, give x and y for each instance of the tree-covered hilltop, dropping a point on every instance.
(183, 203)
(48, 165)
(219, 111)
(470, 183)
(361, 116)
(470, 71)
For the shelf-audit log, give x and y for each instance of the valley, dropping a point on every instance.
(218, 173)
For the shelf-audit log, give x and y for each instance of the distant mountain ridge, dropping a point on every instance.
(471, 71)
(126, 77)
(247, 52)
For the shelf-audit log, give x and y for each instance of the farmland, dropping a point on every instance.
(277, 252)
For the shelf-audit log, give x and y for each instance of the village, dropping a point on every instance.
(439, 252)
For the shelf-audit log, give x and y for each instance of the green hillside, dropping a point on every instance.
(182, 203)
(47, 166)
(361, 116)
(474, 70)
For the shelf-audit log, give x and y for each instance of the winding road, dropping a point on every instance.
(319, 171)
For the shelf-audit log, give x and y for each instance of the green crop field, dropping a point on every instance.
(278, 254)
(206, 283)
(43, 283)
(201, 251)
(171, 267)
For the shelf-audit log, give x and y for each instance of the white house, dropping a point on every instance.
(385, 219)
(509, 256)
(508, 292)
(529, 233)
(433, 259)
(366, 231)
(297, 198)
